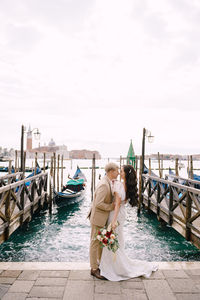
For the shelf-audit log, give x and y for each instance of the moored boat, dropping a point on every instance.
(73, 191)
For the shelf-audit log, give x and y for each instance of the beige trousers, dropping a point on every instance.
(95, 249)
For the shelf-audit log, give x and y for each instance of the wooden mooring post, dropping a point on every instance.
(62, 172)
(93, 179)
(191, 167)
(176, 167)
(51, 187)
(54, 170)
(159, 167)
(140, 186)
(58, 173)
(16, 169)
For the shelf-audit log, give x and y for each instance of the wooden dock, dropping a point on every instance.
(175, 203)
(19, 199)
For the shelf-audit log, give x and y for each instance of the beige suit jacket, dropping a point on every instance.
(102, 203)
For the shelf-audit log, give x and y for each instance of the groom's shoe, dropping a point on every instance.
(96, 273)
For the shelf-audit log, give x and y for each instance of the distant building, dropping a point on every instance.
(29, 139)
(83, 154)
(49, 150)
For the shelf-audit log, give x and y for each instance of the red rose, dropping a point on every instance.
(105, 241)
(108, 233)
(99, 232)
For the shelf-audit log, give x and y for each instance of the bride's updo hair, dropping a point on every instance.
(131, 185)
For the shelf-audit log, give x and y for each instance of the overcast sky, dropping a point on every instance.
(91, 74)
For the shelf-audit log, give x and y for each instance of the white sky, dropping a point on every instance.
(91, 74)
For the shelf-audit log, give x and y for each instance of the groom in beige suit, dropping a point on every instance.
(101, 207)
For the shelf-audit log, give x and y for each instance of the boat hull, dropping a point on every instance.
(68, 198)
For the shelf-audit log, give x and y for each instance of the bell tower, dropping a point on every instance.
(29, 139)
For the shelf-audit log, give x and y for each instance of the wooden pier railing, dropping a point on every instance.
(186, 181)
(19, 200)
(176, 204)
(10, 178)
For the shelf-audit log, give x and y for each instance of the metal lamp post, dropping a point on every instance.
(146, 133)
(37, 137)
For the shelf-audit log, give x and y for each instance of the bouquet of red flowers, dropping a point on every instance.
(108, 238)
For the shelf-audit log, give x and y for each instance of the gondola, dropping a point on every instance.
(27, 170)
(73, 191)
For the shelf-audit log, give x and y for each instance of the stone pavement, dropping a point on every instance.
(173, 280)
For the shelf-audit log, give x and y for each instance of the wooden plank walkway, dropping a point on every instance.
(176, 204)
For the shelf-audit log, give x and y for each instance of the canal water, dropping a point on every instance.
(64, 235)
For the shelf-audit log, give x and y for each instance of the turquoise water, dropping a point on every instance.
(65, 235)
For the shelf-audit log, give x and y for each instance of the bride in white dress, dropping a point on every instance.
(119, 266)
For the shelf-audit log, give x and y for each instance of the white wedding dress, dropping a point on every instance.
(118, 266)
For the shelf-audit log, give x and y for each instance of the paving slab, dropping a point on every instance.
(21, 286)
(137, 285)
(29, 275)
(80, 275)
(34, 281)
(47, 292)
(11, 273)
(33, 298)
(158, 289)
(187, 297)
(138, 279)
(15, 296)
(51, 281)
(175, 273)
(107, 287)
(3, 290)
(155, 275)
(54, 273)
(193, 272)
(109, 297)
(130, 294)
(7, 280)
(183, 285)
(76, 290)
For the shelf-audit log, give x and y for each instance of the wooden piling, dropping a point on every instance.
(136, 166)
(58, 173)
(191, 167)
(54, 169)
(170, 206)
(176, 167)
(162, 167)
(188, 166)
(62, 172)
(50, 185)
(93, 177)
(149, 166)
(140, 185)
(44, 161)
(160, 174)
(35, 163)
(24, 162)
(16, 161)
(158, 202)
(7, 214)
(188, 216)
(9, 166)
